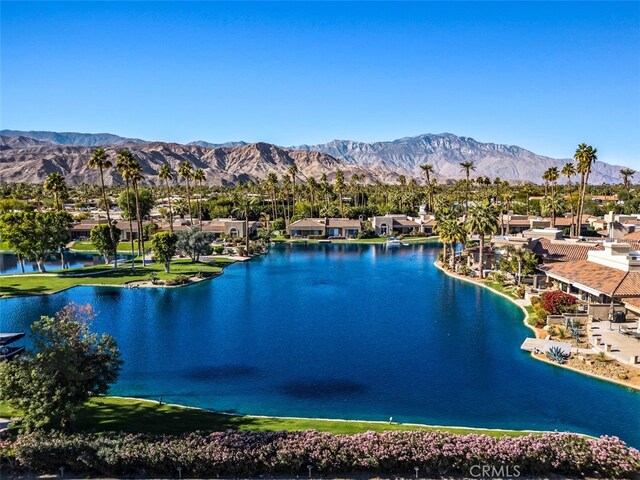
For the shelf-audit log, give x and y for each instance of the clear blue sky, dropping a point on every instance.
(545, 76)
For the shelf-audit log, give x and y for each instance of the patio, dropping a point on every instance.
(606, 337)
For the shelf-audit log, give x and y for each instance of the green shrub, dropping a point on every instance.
(218, 249)
(178, 280)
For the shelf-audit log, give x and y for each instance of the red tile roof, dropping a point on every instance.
(607, 280)
(563, 251)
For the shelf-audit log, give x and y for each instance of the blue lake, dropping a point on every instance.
(342, 331)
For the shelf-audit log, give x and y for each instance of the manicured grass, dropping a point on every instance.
(498, 287)
(106, 414)
(31, 284)
(123, 247)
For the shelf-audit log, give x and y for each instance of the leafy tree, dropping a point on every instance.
(194, 242)
(278, 224)
(164, 246)
(145, 199)
(101, 237)
(37, 235)
(68, 365)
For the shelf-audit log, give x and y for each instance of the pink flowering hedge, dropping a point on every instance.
(243, 454)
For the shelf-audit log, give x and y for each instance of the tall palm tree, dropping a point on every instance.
(124, 162)
(467, 167)
(293, 171)
(507, 200)
(136, 176)
(569, 170)
(625, 174)
(427, 169)
(445, 216)
(185, 170)
(339, 187)
(552, 204)
(482, 220)
(245, 206)
(165, 175)
(199, 177)
(271, 183)
(100, 161)
(312, 187)
(55, 186)
(585, 155)
(550, 175)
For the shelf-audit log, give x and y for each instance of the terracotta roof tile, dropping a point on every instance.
(563, 251)
(630, 285)
(592, 275)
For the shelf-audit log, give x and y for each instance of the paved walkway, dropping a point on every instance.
(623, 347)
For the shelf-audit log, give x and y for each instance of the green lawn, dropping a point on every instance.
(498, 287)
(123, 247)
(31, 284)
(108, 414)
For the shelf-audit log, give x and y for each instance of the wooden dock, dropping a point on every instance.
(533, 344)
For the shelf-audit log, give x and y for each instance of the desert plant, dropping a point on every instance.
(556, 354)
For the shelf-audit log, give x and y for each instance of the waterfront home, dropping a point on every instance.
(325, 227)
(398, 224)
(217, 227)
(513, 224)
(81, 230)
(607, 277)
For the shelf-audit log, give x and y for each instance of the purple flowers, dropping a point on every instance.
(250, 454)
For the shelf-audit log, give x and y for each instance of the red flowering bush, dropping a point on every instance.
(246, 454)
(557, 302)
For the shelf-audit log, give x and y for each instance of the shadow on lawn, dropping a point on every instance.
(139, 417)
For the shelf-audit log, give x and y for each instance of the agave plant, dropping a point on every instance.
(556, 354)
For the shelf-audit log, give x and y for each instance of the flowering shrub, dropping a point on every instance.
(243, 454)
(557, 302)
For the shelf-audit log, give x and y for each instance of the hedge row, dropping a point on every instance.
(245, 454)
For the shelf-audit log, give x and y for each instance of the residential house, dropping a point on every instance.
(325, 227)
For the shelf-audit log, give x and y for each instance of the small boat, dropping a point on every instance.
(393, 241)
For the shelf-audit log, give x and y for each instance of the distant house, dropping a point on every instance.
(391, 224)
(326, 227)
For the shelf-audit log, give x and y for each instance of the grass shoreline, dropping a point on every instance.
(105, 276)
(137, 415)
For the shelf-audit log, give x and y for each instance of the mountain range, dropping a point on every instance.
(31, 156)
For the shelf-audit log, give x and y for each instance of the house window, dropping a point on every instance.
(233, 232)
(384, 229)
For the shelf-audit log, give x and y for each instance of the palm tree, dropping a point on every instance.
(625, 174)
(507, 199)
(293, 171)
(552, 204)
(124, 165)
(185, 170)
(100, 161)
(585, 156)
(135, 177)
(482, 221)
(550, 175)
(445, 216)
(165, 175)
(569, 170)
(245, 206)
(54, 185)
(271, 184)
(339, 187)
(199, 177)
(312, 187)
(467, 167)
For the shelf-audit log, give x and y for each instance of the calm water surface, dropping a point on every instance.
(9, 262)
(342, 331)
